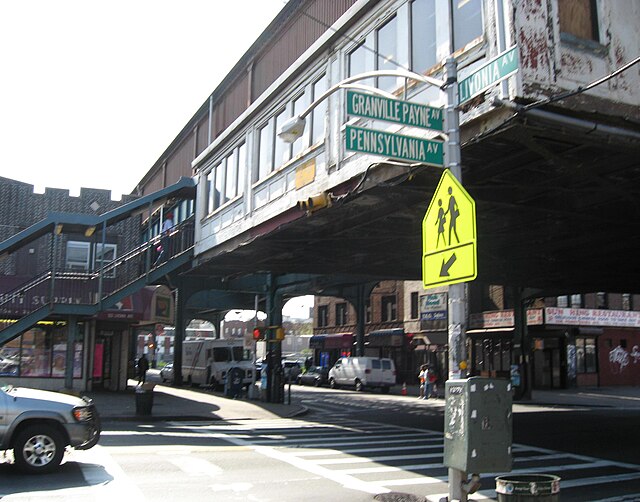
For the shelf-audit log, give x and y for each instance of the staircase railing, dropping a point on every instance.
(94, 288)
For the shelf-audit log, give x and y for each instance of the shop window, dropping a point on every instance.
(423, 35)
(586, 360)
(40, 352)
(320, 111)
(467, 22)
(323, 316)
(389, 308)
(627, 301)
(341, 314)
(563, 302)
(387, 53)
(367, 311)
(78, 255)
(414, 305)
(578, 19)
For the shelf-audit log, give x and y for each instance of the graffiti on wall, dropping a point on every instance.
(619, 358)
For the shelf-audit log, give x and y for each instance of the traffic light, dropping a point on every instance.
(277, 333)
(316, 202)
(259, 333)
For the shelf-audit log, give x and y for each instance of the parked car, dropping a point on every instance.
(166, 373)
(361, 372)
(315, 375)
(291, 369)
(38, 425)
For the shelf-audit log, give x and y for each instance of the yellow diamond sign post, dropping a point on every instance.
(449, 235)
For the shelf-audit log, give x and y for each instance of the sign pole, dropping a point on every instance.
(457, 292)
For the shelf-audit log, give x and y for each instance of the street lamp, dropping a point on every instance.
(293, 128)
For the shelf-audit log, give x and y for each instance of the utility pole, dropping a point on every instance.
(457, 292)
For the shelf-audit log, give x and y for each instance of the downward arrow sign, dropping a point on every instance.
(444, 270)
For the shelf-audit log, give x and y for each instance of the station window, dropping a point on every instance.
(265, 156)
(423, 35)
(231, 176)
(219, 184)
(104, 255)
(578, 19)
(387, 51)
(467, 22)
(283, 149)
(78, 255)
(319, 112)
(299, 105)
(243, 167)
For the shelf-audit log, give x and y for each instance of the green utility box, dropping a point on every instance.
(478, 425)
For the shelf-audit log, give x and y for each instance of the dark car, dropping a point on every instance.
(315, 375)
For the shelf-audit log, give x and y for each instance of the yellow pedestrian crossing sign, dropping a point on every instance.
(449, 235)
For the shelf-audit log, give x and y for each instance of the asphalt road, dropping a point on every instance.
(348, 447)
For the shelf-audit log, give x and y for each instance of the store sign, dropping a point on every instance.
(593, 317)
(504, 319)
(433, 307)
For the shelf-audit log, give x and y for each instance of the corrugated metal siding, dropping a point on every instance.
(179, 164)
(301, 31)
(203, 135)
(288, 43)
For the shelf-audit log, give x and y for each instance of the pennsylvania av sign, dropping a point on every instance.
(394, 110)
(396, 146)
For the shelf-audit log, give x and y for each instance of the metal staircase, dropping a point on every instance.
(62, 292)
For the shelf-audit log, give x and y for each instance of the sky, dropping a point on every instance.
(93, 91)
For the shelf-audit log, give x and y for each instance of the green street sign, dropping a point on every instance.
(394, 110)
(496, 70)
(396, 146)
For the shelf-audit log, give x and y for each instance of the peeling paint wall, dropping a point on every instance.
(550, 65)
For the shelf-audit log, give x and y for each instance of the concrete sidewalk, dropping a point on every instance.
(172, 403)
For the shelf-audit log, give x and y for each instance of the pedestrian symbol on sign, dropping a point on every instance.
(449, 235)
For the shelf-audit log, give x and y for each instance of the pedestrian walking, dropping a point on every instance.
(422, 378)
(167, 225)
(143, 366)
(432, 379)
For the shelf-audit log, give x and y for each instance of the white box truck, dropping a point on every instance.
(206, 361)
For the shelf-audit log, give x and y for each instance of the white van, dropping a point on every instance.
(362, 372)
(206, 361)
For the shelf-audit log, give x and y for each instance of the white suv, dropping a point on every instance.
(38, 425)
(361, 372)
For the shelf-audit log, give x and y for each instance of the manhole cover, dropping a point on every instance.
(398, 497)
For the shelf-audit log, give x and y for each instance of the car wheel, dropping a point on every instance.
(38, 448)
(359, 386)
(333, 384)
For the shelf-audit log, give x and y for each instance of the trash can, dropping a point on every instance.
(144, 401)
(528, 488)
